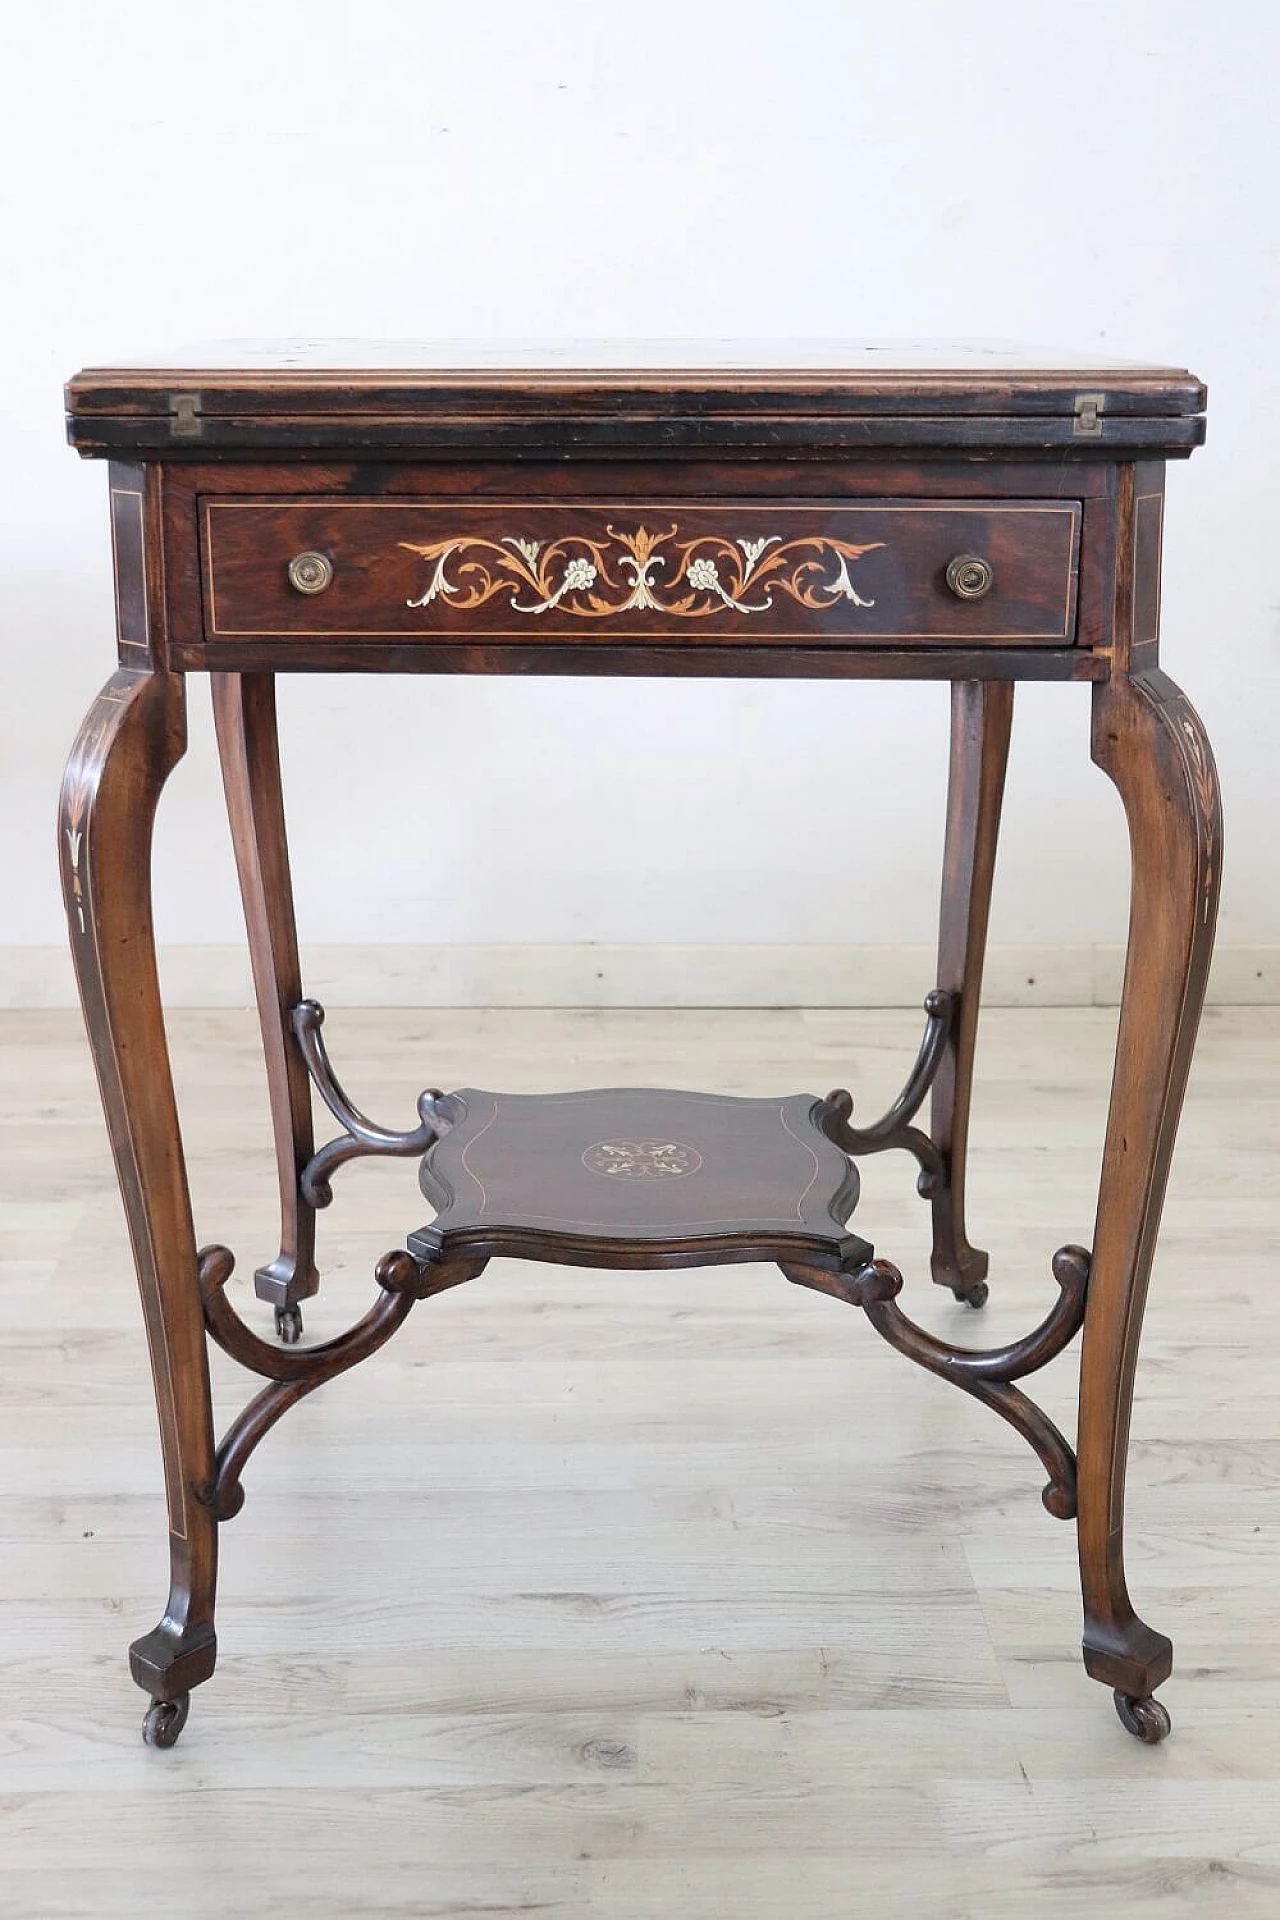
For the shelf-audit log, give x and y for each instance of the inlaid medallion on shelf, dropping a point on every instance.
(642, 1159)
(556, 1176)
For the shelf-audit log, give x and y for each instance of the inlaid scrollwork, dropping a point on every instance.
(1202, 778)
(644, 570)
(78, 788)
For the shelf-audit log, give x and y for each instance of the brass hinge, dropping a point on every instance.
(1089, 408)
(184, 416)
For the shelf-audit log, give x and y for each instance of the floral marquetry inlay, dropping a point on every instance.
(627, 572)
(642, 1159)
(78, 790)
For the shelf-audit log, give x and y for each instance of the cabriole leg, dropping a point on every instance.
(981, 718)
(244, 711)
(1150, 742)
(134, 735)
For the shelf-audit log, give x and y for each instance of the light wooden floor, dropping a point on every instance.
(655, 1598)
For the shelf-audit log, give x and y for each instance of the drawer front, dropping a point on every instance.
(877, 572)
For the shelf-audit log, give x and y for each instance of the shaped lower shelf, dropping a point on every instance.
(637, 1177)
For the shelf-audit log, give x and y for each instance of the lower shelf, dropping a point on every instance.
(637, 1177)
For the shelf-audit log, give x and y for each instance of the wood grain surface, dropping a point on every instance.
(626, 568)
(666, 396)
(640, 1177)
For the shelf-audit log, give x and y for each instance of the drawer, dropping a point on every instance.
(877, 572)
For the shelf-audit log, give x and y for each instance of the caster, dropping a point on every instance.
(976, 1295)
(165, 1721)
(1146, 1718)
(289, 1325)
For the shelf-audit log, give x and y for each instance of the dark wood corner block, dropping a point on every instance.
(973, 514)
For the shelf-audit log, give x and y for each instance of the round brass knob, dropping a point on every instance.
(310, 572)
(969, 576)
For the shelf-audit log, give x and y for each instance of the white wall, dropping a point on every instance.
(1094, 175)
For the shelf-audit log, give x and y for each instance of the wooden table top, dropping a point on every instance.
(624, 395)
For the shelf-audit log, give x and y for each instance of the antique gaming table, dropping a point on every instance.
(974, 515)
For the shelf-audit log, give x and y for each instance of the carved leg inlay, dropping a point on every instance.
(1148, 739)
(134, 735)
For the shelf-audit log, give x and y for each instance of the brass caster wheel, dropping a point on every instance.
(289, 1325)
(165, 1721)
(976, 1295)
(1146, 1718)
